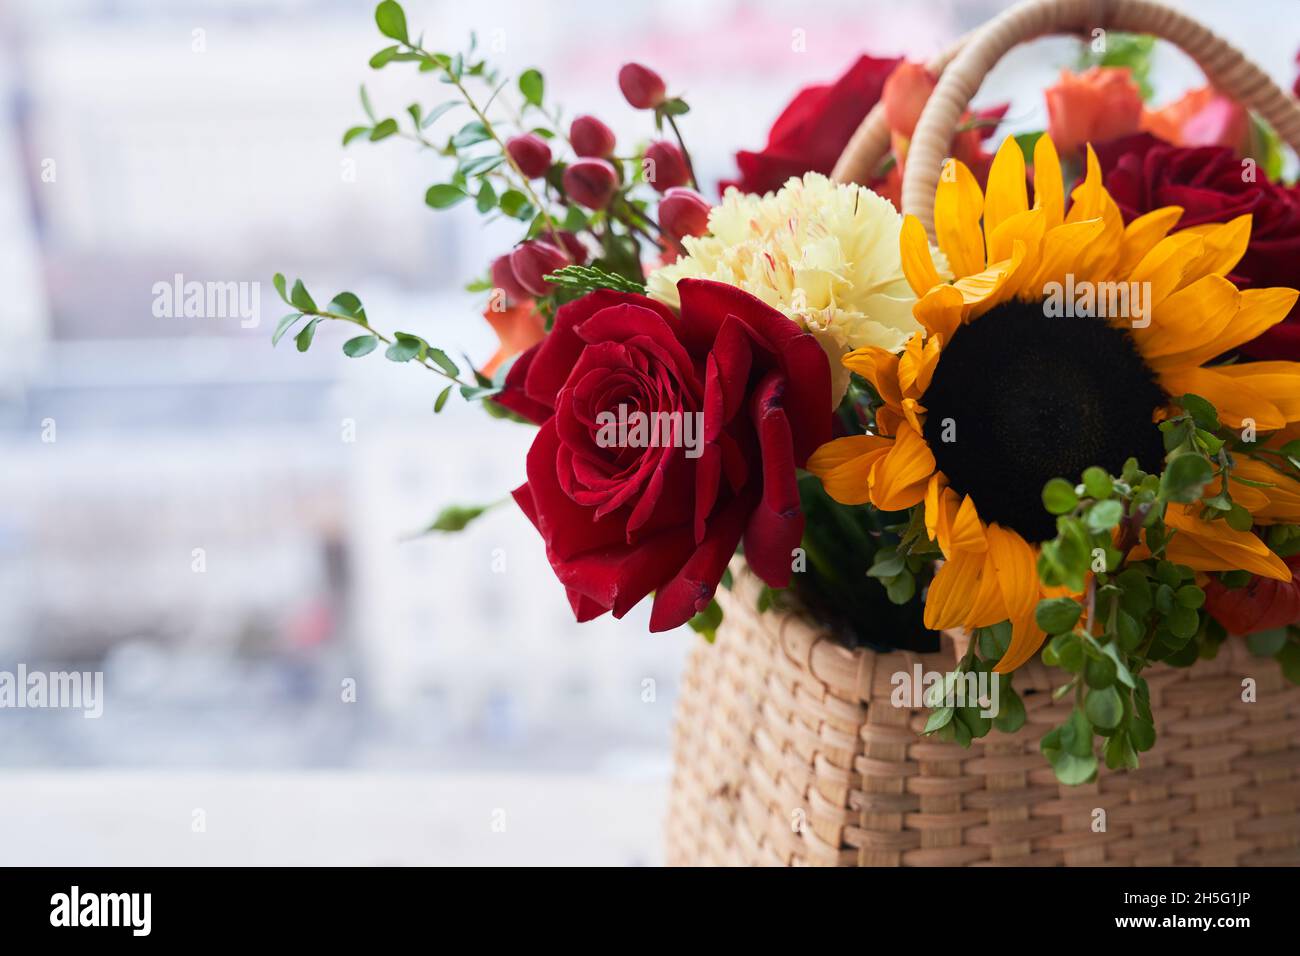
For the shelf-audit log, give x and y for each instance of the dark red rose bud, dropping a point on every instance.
(666, 166)
(503, 277)
(590, 182)
(532, 261)
(590, 137)
(573, 246)
(642, 86)
(683, 212)
(530, 153)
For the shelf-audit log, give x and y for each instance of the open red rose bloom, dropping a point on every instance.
(619, 521)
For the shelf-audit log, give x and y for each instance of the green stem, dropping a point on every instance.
(362, 323)
(690, 167)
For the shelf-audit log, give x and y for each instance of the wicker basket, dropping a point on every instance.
(789, 751)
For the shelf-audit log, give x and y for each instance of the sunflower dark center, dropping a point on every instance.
(1019, 398)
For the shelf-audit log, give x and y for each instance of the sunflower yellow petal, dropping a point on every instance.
(844, 466)
(1005, 196)
(1061, 251)
(1142, 234)
(1186, 327)
(1280, 502)
(918, 264)
(1015, 564)
(1027, 227)
(1213, 546)
(899, 478)
(952, 593)
(1280, 381)
(880, 368)
(1163, 266)
(1049, 191)
(1225, 244)
(1235, 401)
(940, 311)
(967, 530)
(958, 206)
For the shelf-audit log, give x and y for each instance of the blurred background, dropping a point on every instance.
(292, 674)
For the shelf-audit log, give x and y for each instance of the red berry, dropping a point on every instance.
(591, 137)
(590, 182)
(503, 277)
(642, 86)
(532, 261)
(530, 153)
(683, 212)
(573, 247)
(666, 166)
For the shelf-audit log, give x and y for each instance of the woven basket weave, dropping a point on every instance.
(789, 750)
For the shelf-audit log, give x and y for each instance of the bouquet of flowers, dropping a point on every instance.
(1067, 425)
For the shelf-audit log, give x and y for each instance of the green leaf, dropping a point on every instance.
(278, 281)
(1097, 483)
(1119, 753)
(346, 303)
(303, 338)
(1185, 477)
(1122, 673)
(1072, 770)
(901, 588)
(1266, 643)
(1105, 515)
(300, 297)
(1011, 709)
(441, 400)
(284, 326)
(444, 195)
(447, 365)
(359, 346)
(354, 132)
(383, 130)
(471, 133)
(432, 116)
(365, 104)
(456, 517)
(532, 86)
(1203, 412)
(481, 164)
(383, 57)
(403, 350)
(513, 202)
(1058, 615)
(887, 564)
(1059, 497)
(938, 719)
(391, 20)
(487, 197)
(706, 622)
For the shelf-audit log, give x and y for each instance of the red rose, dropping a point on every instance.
(814, 129)
(1262, 605)
(621, 520)
(1143, 173)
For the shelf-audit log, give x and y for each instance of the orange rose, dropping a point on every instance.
(1099, 104)
(518, 328)
(905, 95)
(1201, 117)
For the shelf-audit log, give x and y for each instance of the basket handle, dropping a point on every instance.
(1224, 66)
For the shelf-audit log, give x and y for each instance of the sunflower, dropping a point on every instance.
(1006, 386)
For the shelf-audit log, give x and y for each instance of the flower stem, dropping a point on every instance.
(690, 167)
